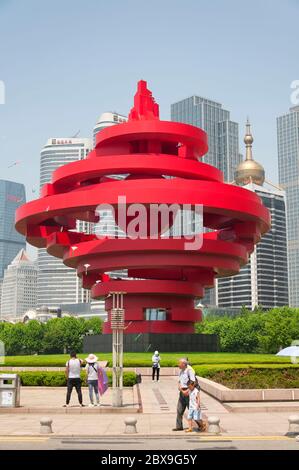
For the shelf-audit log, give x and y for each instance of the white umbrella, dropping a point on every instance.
(291, 351)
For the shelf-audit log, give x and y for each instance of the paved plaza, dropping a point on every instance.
(154, 406)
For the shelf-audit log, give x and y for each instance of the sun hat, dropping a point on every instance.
(156, 353)
(91, 359)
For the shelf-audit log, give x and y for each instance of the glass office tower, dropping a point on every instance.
(223, 139)
(12, 196)
(288, 167)
(223, 134)
(264, 280)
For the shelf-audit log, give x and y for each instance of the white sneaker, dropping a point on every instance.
(91, 405)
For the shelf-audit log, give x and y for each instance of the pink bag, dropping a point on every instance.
(103, 382)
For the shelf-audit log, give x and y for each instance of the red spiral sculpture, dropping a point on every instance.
(164, 274)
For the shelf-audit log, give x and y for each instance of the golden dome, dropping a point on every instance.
(249, 171)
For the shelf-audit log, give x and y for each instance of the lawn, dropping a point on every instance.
(144, 359)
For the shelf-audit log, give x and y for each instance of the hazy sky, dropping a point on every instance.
(64, 62)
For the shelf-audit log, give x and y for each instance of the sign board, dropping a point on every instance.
(7, 398)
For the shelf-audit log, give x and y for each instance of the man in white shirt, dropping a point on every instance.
(185, 376)
(73, 374)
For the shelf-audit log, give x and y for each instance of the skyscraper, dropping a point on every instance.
(288, 169)
(107, 225)
(19, 287)
(223, 134)
(223, 138)
(105, 120)
(57, 284)
(264, 280)
(12, 195)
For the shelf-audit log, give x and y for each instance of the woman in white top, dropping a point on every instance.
(156, 365)
(92, 370)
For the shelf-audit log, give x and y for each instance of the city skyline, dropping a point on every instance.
(248, 42)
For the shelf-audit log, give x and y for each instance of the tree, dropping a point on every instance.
(13, 338)
(258, 331)
(63, 335)
(94, 324)
(33, 337)
(281, 328)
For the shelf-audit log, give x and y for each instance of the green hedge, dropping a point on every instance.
(58, 379)
(253, 377)
(208, 369)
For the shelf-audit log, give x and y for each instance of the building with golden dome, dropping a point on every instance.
(249, 171)
(264, 280)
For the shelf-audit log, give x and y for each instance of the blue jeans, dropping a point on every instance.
(93, 387)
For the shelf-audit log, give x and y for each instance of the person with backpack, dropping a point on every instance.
(186, 375)
(92, 373)
(73, 375)
(156, 365)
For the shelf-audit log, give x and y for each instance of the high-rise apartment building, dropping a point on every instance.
(264, 280)
(12, 195)
(19, 287)
(107, 225)
(57, 284)
(288, 168)
(106, 120)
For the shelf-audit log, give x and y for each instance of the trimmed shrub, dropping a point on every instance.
(58, 379)
(253, 376)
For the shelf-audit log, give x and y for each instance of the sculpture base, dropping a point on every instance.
(149, 342)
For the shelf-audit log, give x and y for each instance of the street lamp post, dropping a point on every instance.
(117, 325)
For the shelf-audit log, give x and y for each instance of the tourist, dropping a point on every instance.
(185, 376)
(73, 374)
(194, 413)
(156, 359)
(92, 373)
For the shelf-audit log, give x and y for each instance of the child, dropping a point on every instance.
(194, 413)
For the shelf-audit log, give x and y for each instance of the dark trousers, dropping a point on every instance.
(183, 403)
(71, 383)
(156, 370)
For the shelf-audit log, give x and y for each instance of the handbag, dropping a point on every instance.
(103, 382)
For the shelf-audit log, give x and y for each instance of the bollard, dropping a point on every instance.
(213, 425)
(130, 425)
(46, 426)
(293, 425)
